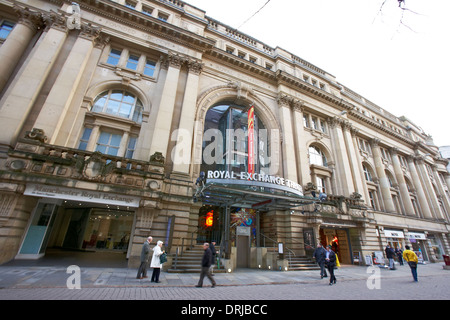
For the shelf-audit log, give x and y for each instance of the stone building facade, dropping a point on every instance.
(112, 110)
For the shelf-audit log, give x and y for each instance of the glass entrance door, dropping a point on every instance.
(38, 233)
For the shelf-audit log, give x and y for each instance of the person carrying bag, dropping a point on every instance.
(412, 260)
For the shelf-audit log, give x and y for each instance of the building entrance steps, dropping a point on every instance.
(302, 263)
(190, 261)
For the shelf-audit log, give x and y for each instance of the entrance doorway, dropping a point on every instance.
(70, 228)
(338, 239)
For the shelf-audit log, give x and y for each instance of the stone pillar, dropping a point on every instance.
(16, 106)
(163, 123)
(355, 164)
(404, 193)
(182, 152)
(302, 148)
(288, 147)
(442, 194)
(343, 171)
(60, 96)
(419, 188)
(385, 187)
(428, 188)
(359, 164)
(17, 42)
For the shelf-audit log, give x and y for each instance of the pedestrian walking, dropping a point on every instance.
(319, 256)
(213, 258)
(330, 261)
(399, 254)
(156, 262)
(390, 254)
(411, 259)
(206, 264)
(145, 255)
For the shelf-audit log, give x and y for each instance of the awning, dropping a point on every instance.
(417, 236)
(394, 234)
(251, 196)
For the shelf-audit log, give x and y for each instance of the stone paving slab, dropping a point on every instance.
(57, 277)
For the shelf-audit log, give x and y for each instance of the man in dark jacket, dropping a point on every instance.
(206, 264)
(390, 254)
(145, 254)
(330, 261)
(319, 255)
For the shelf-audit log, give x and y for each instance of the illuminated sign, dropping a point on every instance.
(251, 139)
(254, 179)
(209, 219)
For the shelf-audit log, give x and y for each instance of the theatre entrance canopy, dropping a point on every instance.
(253, 191)
(241, 162)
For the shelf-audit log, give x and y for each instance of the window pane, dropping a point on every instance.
(116, 95)
(115, 140)
(149, 69)
(104, 138)
(101, 149)
(125, 110)
(113, 107)
(5, 29)
(114, 57)
(113, 151)
(132, 62)
(128, 98)
(99, 104)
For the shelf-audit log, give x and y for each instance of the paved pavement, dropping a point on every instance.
(14, 277)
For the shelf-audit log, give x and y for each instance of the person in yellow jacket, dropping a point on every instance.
(412, 260)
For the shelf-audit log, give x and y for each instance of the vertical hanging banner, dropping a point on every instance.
(251, 139)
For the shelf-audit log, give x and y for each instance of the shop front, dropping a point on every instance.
(418, 244)
(71, 219)
(395, 238)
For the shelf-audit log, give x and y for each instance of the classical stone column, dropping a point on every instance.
(182, 152)
(60, 96)
(441, 195)
(302, 148)
(163, 123)
(385, 187)
(288, 146)
(425, 208)
(16, 106)
(343, 170)
(359, 163)
(355, 163)
(428, 188)
(404, 193)
(17, 41)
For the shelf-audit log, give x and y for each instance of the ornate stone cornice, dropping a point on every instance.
(31, 19)
(285, 100)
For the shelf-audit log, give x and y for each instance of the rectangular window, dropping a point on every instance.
(131, 147)
(113, 57)
(85, 139)
(146, 10)
(149, 69)
(109, 143)
(163, 17)
(306, 121)
(5, 29)
(132, 62)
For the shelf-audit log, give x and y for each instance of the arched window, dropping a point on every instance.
(317, 157)
(227, 140)
(119, 103)
(367, 174)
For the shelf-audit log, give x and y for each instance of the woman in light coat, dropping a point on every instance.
(156, 263)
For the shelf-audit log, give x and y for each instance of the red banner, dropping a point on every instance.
(251, 140)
